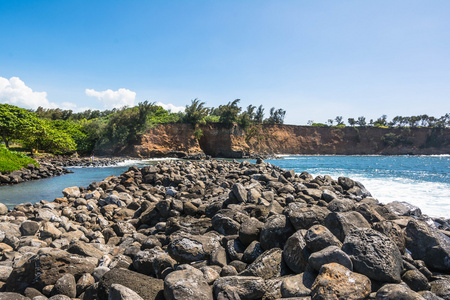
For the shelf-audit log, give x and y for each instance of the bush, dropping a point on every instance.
(11, 160)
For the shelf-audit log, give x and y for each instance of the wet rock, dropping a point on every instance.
(429, 245)
(337, 282)
(373, 255)
(187, 284)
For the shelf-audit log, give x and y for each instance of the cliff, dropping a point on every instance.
(219, 141)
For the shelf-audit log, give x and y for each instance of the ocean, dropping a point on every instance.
(423, 181)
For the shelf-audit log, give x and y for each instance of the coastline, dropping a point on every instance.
(248, 220)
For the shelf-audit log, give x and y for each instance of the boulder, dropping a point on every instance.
(46, 268)
(397, 292)
(340, 223)
(187, 284)
(403, 209)
(28, 228)
(249, 231)
(295, 253)
(66, 285)
(188, 248)
(337, 282)
(305, 217)
(245, 287)
(318, 237)
(12, 296)
(120, 292)
(3, 209)
(145, 286)
(331, 254)
(73, 191)
(266, 266)
(441, 287)
(275, 232)
(374, 255)
(297, 285)
(85, 249)
(416, 280)
(428, 244)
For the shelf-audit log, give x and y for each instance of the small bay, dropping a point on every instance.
(423, 181)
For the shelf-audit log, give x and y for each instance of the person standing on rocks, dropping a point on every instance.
(92, 156)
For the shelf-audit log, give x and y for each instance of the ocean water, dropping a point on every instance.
(423, 181)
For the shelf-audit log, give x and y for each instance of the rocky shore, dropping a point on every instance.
(55, 166)
(222, 230)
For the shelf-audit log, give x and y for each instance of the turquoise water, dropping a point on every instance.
(420, 180)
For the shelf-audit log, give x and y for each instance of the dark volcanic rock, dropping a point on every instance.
(295, 253)
(147, 287)
(275, 232)
(373, 255)
(429, 245)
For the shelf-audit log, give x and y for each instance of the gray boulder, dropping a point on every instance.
(66, 285)
(318, 237)
(275, 232)
(145, 286)
(397, 292)
(374, 255)
(295, 253)
(120, 292)
(340, 223)
(331, 254)
(187, 284)
(297, 285)
(245, 287)
(428, 244)
(266, 266)
(305, 217)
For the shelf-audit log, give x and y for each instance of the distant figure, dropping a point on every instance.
(92, 156)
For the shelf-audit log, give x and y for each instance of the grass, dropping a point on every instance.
(12, 160)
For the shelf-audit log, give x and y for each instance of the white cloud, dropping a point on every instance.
(171, 107)
(14, 91)
(113, 99)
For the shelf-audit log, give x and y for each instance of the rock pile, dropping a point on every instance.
(31, 172)
(74, 161)
(222, 230)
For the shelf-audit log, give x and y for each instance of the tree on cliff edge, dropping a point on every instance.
(195, 112)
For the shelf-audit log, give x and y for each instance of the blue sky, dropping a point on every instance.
(316, 59)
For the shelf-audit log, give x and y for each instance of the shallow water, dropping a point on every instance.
(423, 181)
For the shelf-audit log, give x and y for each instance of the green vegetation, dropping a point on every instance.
(60, 131)
(403, 139)
(11, 160)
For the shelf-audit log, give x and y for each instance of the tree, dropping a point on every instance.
(338, 120)
(382, 121)
(351, 122)
(195, 112)
(15, 123)
(330, 122)
(276, 116)
(259, 116)
(361, 121)
(229, 113)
